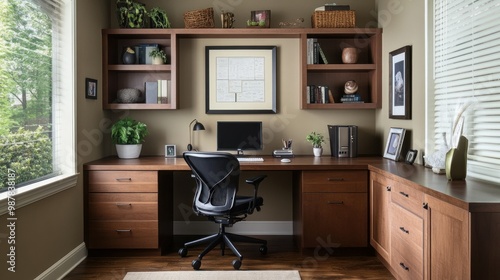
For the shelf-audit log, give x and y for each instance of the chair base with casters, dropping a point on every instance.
(217, 179)
(224, 239)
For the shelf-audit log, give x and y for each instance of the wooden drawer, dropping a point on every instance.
(123, 181)
(335, 218)
(123, 206)
(408, 227)
(121, 235)
(406, 266)
(335, 181)
(408, 198)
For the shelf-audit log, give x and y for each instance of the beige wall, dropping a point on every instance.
(403, 22)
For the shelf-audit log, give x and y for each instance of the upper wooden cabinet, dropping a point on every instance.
(366, 72)
(117, 75)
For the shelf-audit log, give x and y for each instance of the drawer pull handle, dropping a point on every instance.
(388, 188)
(336, 202)
(335, 179)
(401, 264)
(124, 179)
(123, 230)
(404, 230)
(123, 204)
(404, 194)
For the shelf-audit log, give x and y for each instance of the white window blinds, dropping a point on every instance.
(467, 69)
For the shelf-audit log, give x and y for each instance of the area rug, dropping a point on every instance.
(215, 275)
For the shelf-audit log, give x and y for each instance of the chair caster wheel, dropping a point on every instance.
(263, 249)
(196, 264)
(236, 264)
(183, 252)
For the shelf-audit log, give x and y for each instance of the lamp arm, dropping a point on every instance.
(189, 146)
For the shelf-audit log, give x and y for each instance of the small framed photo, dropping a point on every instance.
(260, 18)
(90, 88)
(395, 141)
(170, 151)
(411, 156)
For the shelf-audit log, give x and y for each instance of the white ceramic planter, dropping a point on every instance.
(317, 152)
(128, 151)
(157, 60)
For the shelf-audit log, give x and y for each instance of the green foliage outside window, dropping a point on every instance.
(25, 91)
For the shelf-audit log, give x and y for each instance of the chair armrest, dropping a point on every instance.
(255, 181)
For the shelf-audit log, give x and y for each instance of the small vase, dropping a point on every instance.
(128, 58)
(456, 160)
(349, 55)
(157, 60)
(317, 152)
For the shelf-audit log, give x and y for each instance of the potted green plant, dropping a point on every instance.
(128, 134)
(158, 56)
(131, 14)
(158, 18)
(316, 139)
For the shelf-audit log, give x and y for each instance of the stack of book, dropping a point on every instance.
(351, 98)
(318, 94)
(142, 53)
(157, 92)
(315, 54)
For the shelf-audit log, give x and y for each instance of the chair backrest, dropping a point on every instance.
(217, 178)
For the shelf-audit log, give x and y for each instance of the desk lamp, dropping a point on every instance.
(197, 126)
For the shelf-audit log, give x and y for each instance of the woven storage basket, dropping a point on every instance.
(199, 18)
(333, 19)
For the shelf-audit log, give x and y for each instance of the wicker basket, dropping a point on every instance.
(199, 18)
(333, 19)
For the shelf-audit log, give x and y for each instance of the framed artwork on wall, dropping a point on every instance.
(90, 88)
(240, 79)
(400, 83)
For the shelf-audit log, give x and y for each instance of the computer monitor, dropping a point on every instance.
(239, 136)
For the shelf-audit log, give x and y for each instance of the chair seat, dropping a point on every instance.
(240, 207)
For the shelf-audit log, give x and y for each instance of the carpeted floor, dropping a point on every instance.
(215, 275)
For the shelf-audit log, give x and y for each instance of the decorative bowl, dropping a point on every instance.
(128, 95)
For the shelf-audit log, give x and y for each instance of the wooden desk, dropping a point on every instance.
(469, 209)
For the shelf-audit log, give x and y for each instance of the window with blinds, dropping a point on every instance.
(37, 91)
(467, 71)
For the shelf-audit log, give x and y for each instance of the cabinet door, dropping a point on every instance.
(447, 242)
(336, 219)
(380, 195)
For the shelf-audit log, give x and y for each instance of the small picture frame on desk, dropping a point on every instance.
(411, 156)
(394, 143)
(170, 151)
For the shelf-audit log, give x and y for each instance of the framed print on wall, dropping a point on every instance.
(240, 79)
(400, 83)
(394, 143)
(90, 88)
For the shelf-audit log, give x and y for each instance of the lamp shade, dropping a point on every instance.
(196, 127)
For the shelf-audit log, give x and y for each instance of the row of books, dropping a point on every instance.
(315, 54)
(318, 94)
(157, 92)
(142, 53)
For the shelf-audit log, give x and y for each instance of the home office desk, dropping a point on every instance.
(129, 201)
(128, 204)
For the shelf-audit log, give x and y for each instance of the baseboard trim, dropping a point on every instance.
(246, 227)
(66, 264)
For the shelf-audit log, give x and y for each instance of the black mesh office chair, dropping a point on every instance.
(217, 179)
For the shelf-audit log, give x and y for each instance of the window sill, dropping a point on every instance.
(37, 191)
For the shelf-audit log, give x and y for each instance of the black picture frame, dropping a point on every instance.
(400, 83)
(411, 155)
(236, 89)
(90, 88)
(170, 150)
